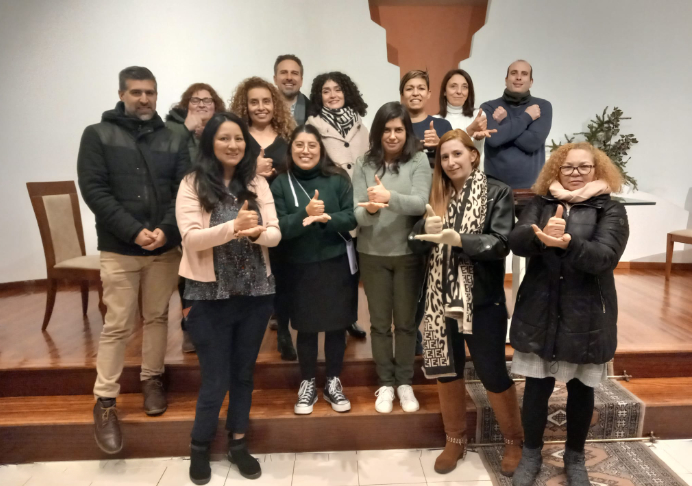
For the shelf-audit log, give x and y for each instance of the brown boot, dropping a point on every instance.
(453, 408)
(155, 402)
(506, 408)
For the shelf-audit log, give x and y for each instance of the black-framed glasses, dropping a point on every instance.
(569, 169)
(204, 101)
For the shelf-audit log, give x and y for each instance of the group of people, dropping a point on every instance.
(281, 205)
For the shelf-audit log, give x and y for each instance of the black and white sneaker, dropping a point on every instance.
(307, 396)
(334, 394)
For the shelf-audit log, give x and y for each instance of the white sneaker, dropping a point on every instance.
(407, 398)
(385, 398)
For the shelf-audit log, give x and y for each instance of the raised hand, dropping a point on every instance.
(446, 237)
(478, 124)
(433, 223)
(159, 240)
(499, 114)
(323, 218)
(378, 193)
(534, 112)
(264, 165)
(430, 138)
(556, 225)
(193, 121)
(315, 207)
(246, 219)
(373, 207)
(551, 241)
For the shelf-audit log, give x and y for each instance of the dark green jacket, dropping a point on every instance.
(175, 122)
(318, 241)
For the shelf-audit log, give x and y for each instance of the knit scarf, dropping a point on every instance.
(342, 119)
(512, 98)
(590, 189)
(450, 279)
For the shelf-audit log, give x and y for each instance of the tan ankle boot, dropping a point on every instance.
(453, 408)
(506, 408)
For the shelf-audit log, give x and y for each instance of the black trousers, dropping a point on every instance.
(534, 416)
(227, 335)
(334, 348)
(487, 347)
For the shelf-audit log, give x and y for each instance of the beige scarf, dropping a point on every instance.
(590, 189)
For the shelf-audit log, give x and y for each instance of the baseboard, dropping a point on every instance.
(635, 266)
(24, 284)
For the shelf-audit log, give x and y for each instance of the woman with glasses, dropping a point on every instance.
(564, 326)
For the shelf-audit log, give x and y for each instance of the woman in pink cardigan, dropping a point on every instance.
(227, 220)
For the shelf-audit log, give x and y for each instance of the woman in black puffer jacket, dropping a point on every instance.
(564, 325)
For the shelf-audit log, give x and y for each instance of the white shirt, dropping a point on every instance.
(457, 119)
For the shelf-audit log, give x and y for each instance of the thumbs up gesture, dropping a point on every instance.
(553, 235)
(430, 138)
(246, 219)
(315, 207)
(433, 223)
(556, 225)
(264, 165)
(378, 193)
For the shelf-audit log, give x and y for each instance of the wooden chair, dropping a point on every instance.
(56, 206)
(679, 236)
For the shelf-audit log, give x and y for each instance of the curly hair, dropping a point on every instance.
(352, 97)
(282, 121)
(192, 89)
(605, 169)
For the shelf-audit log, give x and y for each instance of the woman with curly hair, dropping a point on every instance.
(336, 108)
(259, 104)
(188, 117)
(564, 326)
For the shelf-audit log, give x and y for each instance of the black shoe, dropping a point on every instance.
(106, 426)
(273, 323)
(155, 402)
(307, 396)
(248, 466)
(356, 331)
(334, 394)
(285, 346)
(200, 470)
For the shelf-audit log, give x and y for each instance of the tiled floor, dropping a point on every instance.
(392, 468)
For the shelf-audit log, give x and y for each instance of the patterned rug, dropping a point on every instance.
(609, 464)
(617, 414)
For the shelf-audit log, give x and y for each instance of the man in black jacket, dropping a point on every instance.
(129, 168)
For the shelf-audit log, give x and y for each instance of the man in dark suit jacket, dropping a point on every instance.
(288, 78)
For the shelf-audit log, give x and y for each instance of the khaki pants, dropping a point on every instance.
(122, 276)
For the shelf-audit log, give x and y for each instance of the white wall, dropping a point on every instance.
(60, 61)
(589, 54)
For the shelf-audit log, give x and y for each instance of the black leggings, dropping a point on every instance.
(334, 348)
(487, 347)
(580, 403)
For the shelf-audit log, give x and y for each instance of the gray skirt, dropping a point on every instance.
(533, 366)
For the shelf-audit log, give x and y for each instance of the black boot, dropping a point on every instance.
(248, 466)
(356, 331)
(285, 345)
(575, 468)
(200, 470)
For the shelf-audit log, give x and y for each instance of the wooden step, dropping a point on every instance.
(668, 405)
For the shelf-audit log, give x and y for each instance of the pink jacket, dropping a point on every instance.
(199, 239)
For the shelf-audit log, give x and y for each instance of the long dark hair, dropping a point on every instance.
(375, 156)
(208, 170)
(467, 109)
(327, 166)
(352, 96)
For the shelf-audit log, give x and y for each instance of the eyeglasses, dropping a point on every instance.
(204, 101)
(569, 169)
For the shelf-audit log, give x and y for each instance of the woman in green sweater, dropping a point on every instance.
(314, 203)
(391, 185)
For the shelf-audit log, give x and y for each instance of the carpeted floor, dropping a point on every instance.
(609, 464)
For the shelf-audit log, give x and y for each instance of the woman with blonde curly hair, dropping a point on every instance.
(564, 326)
(258, 103)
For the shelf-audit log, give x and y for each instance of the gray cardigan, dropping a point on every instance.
(385, 233)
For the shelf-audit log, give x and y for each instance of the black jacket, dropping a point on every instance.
(566, 308)
(487, 250)
(129, 172)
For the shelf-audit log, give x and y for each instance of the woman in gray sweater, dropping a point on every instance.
(391, 185)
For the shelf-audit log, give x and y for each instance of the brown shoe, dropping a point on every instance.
(188, 346)
(506, 408)
(154, 396)
(107, 429)
(453, 407)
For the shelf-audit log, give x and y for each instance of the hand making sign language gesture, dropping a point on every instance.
(553, 235)
(315, 210)
(378, 197)
(264, 165)
(435, 231)
(247, 223)
(430, 138)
